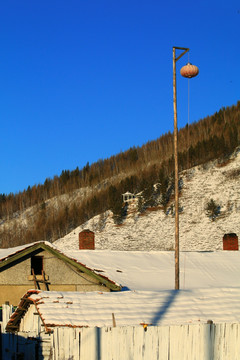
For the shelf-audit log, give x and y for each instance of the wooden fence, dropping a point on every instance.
(178, 342)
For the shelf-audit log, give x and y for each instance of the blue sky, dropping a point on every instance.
(81, 80)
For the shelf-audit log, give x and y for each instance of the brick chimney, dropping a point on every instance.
(86, 240)
(230, 242)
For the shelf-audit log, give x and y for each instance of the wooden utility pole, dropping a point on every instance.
(177, 282)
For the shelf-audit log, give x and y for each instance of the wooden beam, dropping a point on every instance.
(27, 299)
(183, 53)
(176, 174)
(45, 282)
(12, 327)
(21, 309)
(36, 284)
(19, 255)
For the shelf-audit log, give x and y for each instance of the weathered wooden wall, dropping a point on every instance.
(181, 342)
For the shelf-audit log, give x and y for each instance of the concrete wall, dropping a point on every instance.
(15, 281)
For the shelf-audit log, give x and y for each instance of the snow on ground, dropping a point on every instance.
(155, 230)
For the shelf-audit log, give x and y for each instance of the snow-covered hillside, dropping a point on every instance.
(154, 230)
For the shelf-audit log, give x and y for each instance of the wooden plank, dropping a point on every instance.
(172, 342)
(46, 283)
(26, 299)
(36, 284)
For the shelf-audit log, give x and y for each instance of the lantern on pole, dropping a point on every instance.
(187, 71)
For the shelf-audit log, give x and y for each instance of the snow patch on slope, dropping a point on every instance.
(156, 231)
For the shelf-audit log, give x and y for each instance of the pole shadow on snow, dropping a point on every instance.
(154, 321)
(208, 343)
(164, 308)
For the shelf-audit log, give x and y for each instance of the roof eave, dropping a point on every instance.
(15, 319)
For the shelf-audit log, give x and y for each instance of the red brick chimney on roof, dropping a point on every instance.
(230, 242)
(86, 240)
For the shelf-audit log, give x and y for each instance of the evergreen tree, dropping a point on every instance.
(164, 188)
(116, 205)
(212, 210)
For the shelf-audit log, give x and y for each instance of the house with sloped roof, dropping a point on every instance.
(66, 322)
(44, 266)
(41, 265)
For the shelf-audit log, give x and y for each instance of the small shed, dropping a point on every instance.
(45, 311)
(127, 196)
(230, 242)
(124, 325)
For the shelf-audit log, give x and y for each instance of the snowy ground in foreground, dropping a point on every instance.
(155, 230)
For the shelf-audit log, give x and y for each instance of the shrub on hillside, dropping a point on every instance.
(212, 210)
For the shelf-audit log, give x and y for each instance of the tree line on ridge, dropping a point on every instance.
(134, 170)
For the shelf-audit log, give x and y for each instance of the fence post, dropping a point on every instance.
(209, 333)
(7, 311)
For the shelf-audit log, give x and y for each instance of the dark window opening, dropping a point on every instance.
(37, 264)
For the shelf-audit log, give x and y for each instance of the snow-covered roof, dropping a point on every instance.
(154, 271)
(209, 283)
(6, 253)
(131, 307)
